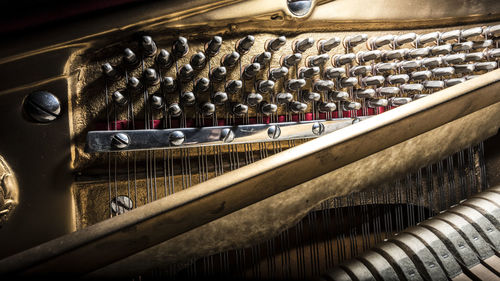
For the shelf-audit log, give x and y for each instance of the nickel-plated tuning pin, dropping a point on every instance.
(334, 72)
(453, 81)
(133, 83)
(207, 109)
(277, 73)
(420, 52)
(244, 45)
(110, 72)
(233, 86)
(368, 56)
(325, 46)
(310, 96)
(338, 95)
(409, 65)
(213, 46)
(198, 60)
(353, 41)
(405, 38)
(398, 101)
(151, 77)
(360, 70)
(148, 46)
(251, 70)
(477, 56)
(492, 31)
(240, 109)
(443, 71)
(274, 45)
(482, 44)
(412, 88)
(339, 60)
(318, 60)
(441, 49)
(284, 98)
(188, 98)
(323, 85)
(471, 32)
(202, 85)
(291, 60)
(427, 38)
(487, 65)
(348, 82)
(295, 84)
(254, 99)
(464, 68)
(398, 79)
(351, 105)
(377, 42)
(263, 58)
(174, 110)
(180, 47)
(297, 106)
(119, 98)
(364, 93)
(268, 108)
(164, 59)
(130, 59)
(432, 62)
(308, 72)
(450, 35)
(394, 54)
(302, 45)
(325, 107)
(230, 60)
(385, 67)
(186, 73)
(218, 74)
(454, 59)
(421, 75)
(169, 84)
(219, 98)
(462, 46)
(373, 80)
(264, 86)
(388, 91)
(156, 101)
(373, 103)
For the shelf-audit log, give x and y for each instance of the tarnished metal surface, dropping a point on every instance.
(9, 192)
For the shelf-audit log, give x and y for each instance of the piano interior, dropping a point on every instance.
(253, 140)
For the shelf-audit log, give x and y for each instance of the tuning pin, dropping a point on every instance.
(180, 47)
(325, 46)
(421, 75)
(297, 107)
(110, 72)
(463, 46)
(268, 108)
(254, 99)
(405, 38)
(277, 73)
(284, 98)
(251, 70)
(441, 49)
(130, 59)
(230, 60)
(213, 46)
(348, 82)
(450, 35)
(420, 52)
(373, 103)
(350, 105)
(310, 96)
(340, 60)
(291, 60)
(409, 65)
(338, 96)
(119, 98)
(453, 81)
(412, 88)
(353, 41)
(334, 72)
(201, 85)
(244, 45)
(433, 84)
(385, 67)
(308, 72)
(156, 101)
(302, 45)
(360, 70)
(368, 56)
(398, 101)
(174, 110)
(295, 84)
(164, 59)
(376, 80)
(487, 65)
(188, 98)
(274, 45)
(322, 85)
(471, 32)
(432, 62)
(133, 83)
(318, 60)
(151, 77)
(186, 73)
(207, 109)
(264, 86)
(477, 56)
(398, 79)
(218, 74)
(263, 58)
(464, 68)
(394, 54)
(454, 59)
(377, 42)
(219, 98)
(148, 46)
(492, 31)
(326, 107)
(240, 109)
(443, 71)
(427, 38)
(198, 60)
(233, 86)
(169, 84)
(388, 91)
(364, 93)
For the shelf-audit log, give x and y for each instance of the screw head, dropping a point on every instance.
(42, 106)
(274, 132)
(299, 7)
(318, 128)
(227, 135)
(120, 140)
(176, 138)
(121, 204)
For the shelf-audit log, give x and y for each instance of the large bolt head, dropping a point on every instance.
(42, 106)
